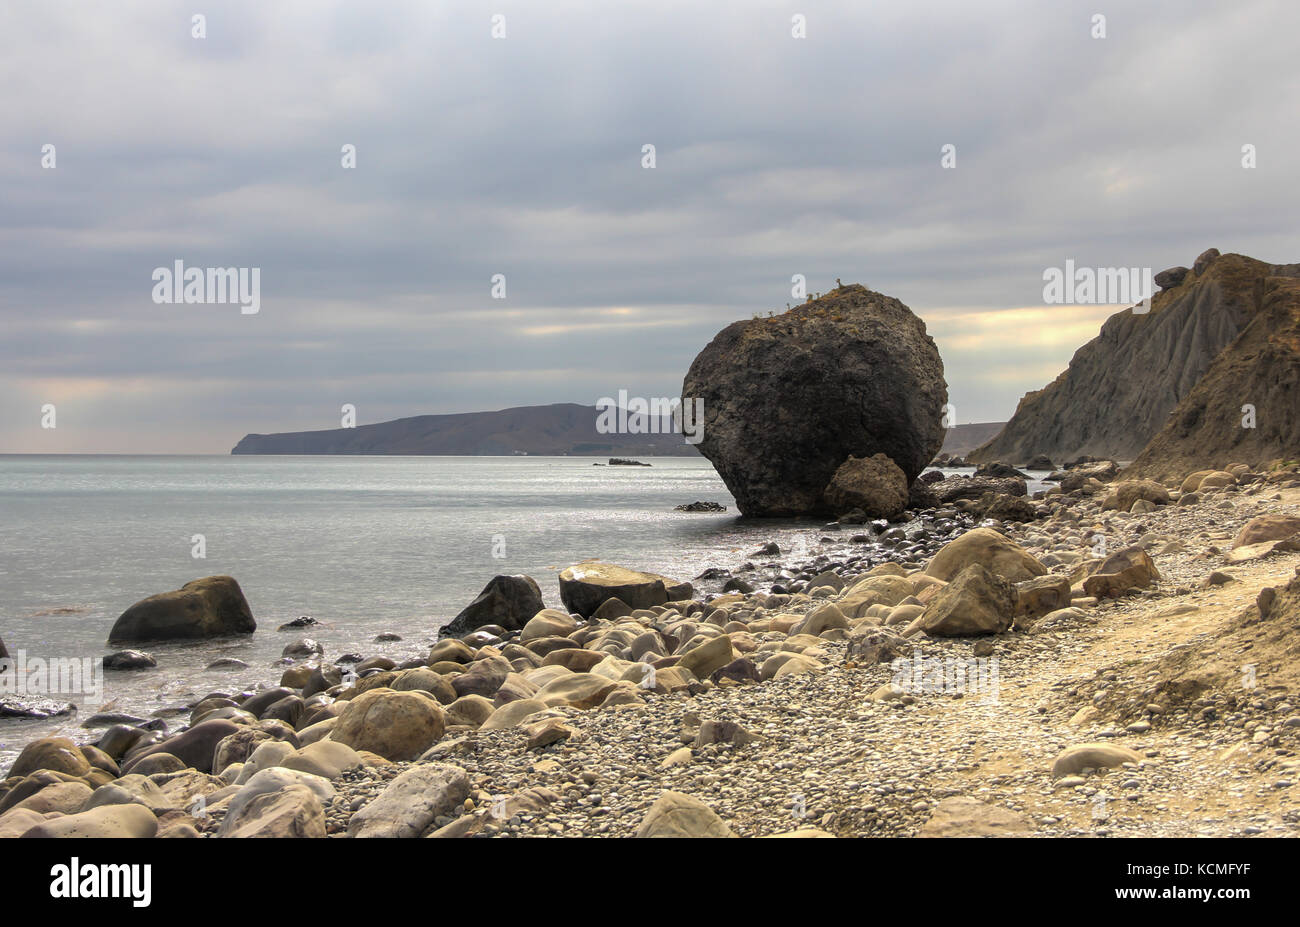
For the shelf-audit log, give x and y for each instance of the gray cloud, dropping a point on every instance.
(521, 156)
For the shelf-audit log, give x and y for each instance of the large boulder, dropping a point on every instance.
(412, 802)
(395, 725)
(873, 484)
(1124, 493)
(104, 822)
(1263, 528)
(788, 398)
(1000, 554)
(213, 606)
(195, 747)
(976, 601)
(1130, 568)
(677, 815)
(584, 587)
(292, 811)
(58, 754)
(508, 601)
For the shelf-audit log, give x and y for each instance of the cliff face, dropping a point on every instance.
(564, 428)
(1121, 387)
(1259, 371)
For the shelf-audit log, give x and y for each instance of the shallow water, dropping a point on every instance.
(363, 544)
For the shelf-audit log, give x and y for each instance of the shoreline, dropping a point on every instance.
(860, 759)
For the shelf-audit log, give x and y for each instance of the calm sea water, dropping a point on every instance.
(363, 544)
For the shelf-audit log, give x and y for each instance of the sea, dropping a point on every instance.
(365, 545)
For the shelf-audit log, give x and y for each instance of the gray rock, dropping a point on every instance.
(787, 399)
(210, 607)
(411, 802)
(508, 601)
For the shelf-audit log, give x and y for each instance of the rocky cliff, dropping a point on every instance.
(1121, 387)
(1246, 408)
(789, 398)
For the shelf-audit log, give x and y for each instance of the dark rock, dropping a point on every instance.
(997, 470)
(741, 669)
(974, 487)
(701, 507)
(303, 647)
(874, 486)
(922, 495)
(1168, 279)
(129, 660)
(193, 747)
(306, 621)
(1206, 258)
(210, 607)
(1040, 462)
(1005, 507)
(34, 708)
(110, 718)
(227, 663)
(508, 601)
(260, 701)
(788, 399)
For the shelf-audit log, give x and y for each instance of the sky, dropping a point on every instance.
(522, 155)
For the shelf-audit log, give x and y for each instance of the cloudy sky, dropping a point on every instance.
(522, 156)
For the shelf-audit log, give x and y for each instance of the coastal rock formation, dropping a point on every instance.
(789, 398)
(1120, 388)
(1244, 407)
(213, 606)
(508, 601)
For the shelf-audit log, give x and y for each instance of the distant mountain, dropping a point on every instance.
(1121, 387)
(554, 430)
(962, 439)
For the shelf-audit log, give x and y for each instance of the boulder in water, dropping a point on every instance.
(213, 606)
(508, 601)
